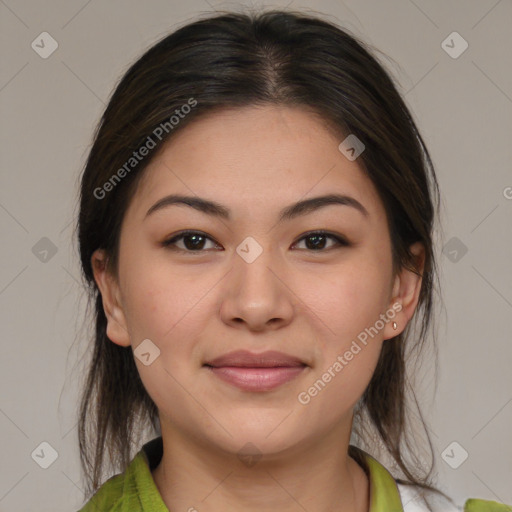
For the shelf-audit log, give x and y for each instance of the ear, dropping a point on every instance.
(117, 330)
(405, 293)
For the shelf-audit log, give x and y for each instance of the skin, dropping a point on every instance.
(305, 302)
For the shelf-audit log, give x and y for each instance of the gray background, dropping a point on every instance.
(49, 107)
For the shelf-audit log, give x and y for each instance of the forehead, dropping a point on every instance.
(253, 158)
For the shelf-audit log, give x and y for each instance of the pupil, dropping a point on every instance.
(193, 246)
(315, 245)
(198, 241)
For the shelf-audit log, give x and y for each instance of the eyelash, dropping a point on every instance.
(341, 242)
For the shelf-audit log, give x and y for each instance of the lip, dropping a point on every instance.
(256, 372)
(246, 359)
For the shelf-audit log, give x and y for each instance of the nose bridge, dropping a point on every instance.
(256, 293)
(253, 262)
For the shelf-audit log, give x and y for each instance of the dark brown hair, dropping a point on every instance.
(243, 59)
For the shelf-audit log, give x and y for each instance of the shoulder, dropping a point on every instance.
(134, 490)
(477, 505)
(119, 493)
(108, 497)
(412, 502)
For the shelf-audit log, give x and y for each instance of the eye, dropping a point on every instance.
(194, 241)
(318, 238)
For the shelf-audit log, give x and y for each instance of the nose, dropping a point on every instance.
(256, 295)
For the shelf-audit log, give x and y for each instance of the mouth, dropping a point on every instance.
(256, 372)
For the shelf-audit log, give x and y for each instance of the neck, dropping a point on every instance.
(317, 478)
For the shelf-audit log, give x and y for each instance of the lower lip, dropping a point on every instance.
(257, 379)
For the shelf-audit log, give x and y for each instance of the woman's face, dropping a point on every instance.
(256, 282)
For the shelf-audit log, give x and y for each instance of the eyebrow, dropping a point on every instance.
(288, 213)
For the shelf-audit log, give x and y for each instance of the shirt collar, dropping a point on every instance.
(384, 493)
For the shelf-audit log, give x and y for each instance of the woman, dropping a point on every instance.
(255, 226)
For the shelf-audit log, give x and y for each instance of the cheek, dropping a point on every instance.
(157, 295)
(350, 298)
(165, 307)
(347, 349)
(348, 303)
(169, 309)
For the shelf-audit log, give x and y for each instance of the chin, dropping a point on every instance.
(259, 439)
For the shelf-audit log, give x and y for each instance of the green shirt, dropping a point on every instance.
(136, 491)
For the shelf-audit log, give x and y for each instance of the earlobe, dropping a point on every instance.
(116, 322)
(405, 294)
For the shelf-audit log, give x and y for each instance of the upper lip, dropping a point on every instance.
(246, 359)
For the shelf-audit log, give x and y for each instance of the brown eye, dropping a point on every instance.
(193, 241)
(316, 241)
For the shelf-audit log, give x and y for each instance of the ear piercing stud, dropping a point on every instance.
(395, 326)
